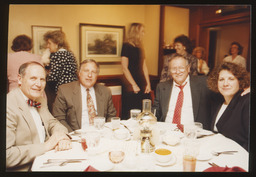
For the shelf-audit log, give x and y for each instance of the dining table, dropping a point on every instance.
(79, 160)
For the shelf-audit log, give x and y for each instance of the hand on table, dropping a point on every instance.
(59, 141)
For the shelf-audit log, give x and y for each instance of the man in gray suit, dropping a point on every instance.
(31, 130)
(196, 100)
(70, 106)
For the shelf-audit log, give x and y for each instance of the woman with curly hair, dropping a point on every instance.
(63, 65)
(183, 46)
(230, 110)
(235, 53)
(135, 81)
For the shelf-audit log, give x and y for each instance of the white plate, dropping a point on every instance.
(204, 156)
(127, 137)
(102, 165)
(166, 164)
(171, 140)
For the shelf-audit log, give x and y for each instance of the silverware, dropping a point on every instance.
(213, 164)
(60, 162)
(202, 136)
(223, 152)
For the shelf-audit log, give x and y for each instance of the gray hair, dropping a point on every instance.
(24, 66)
(90, 61)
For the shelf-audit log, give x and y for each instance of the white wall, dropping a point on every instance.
(176, 23)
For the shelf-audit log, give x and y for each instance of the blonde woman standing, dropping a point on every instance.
(136, 83)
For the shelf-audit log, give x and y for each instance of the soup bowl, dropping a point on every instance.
(163, 155)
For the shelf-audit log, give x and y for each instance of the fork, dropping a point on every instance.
(223, 152)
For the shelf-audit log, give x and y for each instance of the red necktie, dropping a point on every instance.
(178, 107)
(90, 106)
(34, 103)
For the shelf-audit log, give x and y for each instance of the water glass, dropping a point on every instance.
(190, 131)
(99, 122)
(191, 150)
(115, 123)
(92, 139)
(134, 113)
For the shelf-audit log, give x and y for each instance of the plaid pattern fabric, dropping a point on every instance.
(178, 107)
(34, 103)
(91, 108)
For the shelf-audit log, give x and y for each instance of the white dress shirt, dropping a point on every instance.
(187, 116)
(222, 109)
(37, 120)
(240, 60)
(85, 116)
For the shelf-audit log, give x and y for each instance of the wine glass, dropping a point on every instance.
(116, 156)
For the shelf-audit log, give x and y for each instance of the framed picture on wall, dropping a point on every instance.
(37, 36)
(103, 43)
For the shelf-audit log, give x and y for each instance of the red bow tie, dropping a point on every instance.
(34, 103)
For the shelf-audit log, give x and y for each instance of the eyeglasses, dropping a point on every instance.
(180, 69)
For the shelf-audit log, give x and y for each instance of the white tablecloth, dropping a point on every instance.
(136, 161)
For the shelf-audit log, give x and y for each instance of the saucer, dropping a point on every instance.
(166, 164)
(204, 156)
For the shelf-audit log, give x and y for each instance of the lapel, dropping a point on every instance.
(24, 110)
(99, 100)
(195, 87)
(226, 116)
(77, 102)
(166, 94)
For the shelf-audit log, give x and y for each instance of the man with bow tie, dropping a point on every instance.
(31, 130)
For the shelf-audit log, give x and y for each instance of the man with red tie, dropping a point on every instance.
(78, 102)
(31, 130)
(184, 99)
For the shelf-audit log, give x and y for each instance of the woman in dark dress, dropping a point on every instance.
(63, 66)
(230, 110)
(136, 83)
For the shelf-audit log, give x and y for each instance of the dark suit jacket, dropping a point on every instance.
(22, 140)
(200, 93)
(235, 120)
(67, 107)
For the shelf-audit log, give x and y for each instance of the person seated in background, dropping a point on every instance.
(78, 102)
(184, 99)
(202, 67)
(183, 46)
(230, 111)
(235, 53)
(22, 46)
(31, 130)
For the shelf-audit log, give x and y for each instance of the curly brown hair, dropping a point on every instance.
(238, 71)
(22, 43)
(58, 37)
